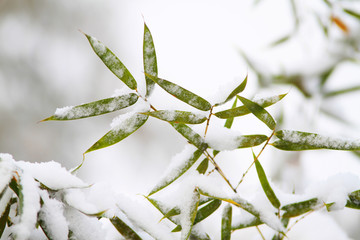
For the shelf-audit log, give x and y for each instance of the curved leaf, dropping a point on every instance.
(190, 135)
(297, 141)
(176, 116)
(176, 173)
(242, 110)
(149, 59)
(115, 135)
(226, 223)
(236, 91)
(112, 62)
(265, 184)
(124, 229)
(259, 112)
(182, 94)
(94, 108)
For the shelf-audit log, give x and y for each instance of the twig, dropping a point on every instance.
(208, 121)
(262, 236)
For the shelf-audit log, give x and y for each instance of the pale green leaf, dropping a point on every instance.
(115, 135)
(127, 232)
(175, 116)
(193, 137)
(182, 94)
(226, 223)
(94, 108)
(243, 110)
(112, 62)
(149, 59)
(259, 112)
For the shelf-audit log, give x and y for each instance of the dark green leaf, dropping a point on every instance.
(207, 210)
(124, 229)
(176, 116)
(226, 223)
(265, 184)
(242, 110)
(182, 94)
(259, 112)
(4, 218)
(149, 58)
(95, 108)
(179, 171)
(115, 135)
(352, 13)
(193, 137)
(112, 62)
(297, 141)
(203, 166)
(236, 91)
(299, 208)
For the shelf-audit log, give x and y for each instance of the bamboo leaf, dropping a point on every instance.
(203, 166)
(229, 121)
(254, 221)
(236, 91)
(189, 216)
(182, 94)
(226, 223)
(298, 141)
(299, 208)
(149, 59)
(112, 62)
(4, 218)
(177, 172)
(207, 210)
(265, 184)
(124, 229)
(354, 200)
(162, 209)
(352, 13)
(341, 91)
(173, 212)
(94, 108)
(176, 116)
(115, 135)
(246, 141)
(243, 110)
(259, 112)
(193, 137)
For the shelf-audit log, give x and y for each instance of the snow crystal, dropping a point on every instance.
(64, 111)
(52, 175)
(31, 207)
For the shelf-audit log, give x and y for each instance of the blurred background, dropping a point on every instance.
(306, 48)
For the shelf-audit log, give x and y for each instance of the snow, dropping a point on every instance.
(7, 168)
(221, 138)
(63, 112)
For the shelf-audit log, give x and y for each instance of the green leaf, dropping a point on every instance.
(259, 112)
(149, 59)
(254, 221)
(112, 62)
(299, 208)
(226, 223)
(179, 171)
(354, 200)
(115, 135)
(203, 166)
(4, 218)
(124, 230)
(207, 210)
(352, 13)
(182, 94)
(236, 91)
(246, 141)
(176, 116)
(341, 91)
(281, 40)
(95, 108)
(229, 121)
(243, 110)
(173, 212)
(162, 209)
(265, 184)
(193, 137)
(189, 215)
(298, 141)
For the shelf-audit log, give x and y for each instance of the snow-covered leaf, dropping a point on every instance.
(242, 110)
(94, 108)
(253, 221)
(354, 200)
(124, 229)
(176, 116)
(112, 62)
(296, 209)
(190, 135)
(188, 214)
(269, 192)
(119, 132)
(259, 112)
(163, 209)
(149, 59)
(226, 223)
(297, 141)
(182, 94)
(173, 212)
(4, 218)
(236, 91)
(234, 142)
(183, 163)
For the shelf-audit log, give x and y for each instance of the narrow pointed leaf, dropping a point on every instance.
(112, 62)
(115, 135)
(94, 108)
(265, 184)
(176, 116)
(229, 121)
(297, 141)
(203, 166)
(248, 223)
(259, 112)
(149, 59)
(4, 218)
(226, 223)
(207, 210)
(182, 94)
(173, 212)
(189, 216)
(246, 141)
(352, 13)
(193, 137)
(124, 229)
(341, 91)
(176, 173)
(162, 209)
(299, 208)
(243, 110)
(236, 91)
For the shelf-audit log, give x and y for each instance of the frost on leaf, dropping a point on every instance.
(178, 116)
(149, 57)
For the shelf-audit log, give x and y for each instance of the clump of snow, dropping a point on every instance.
(7, 168)
(221, 138)
(64, 111)
(122, 91)
(52, 175)
(223, 91)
